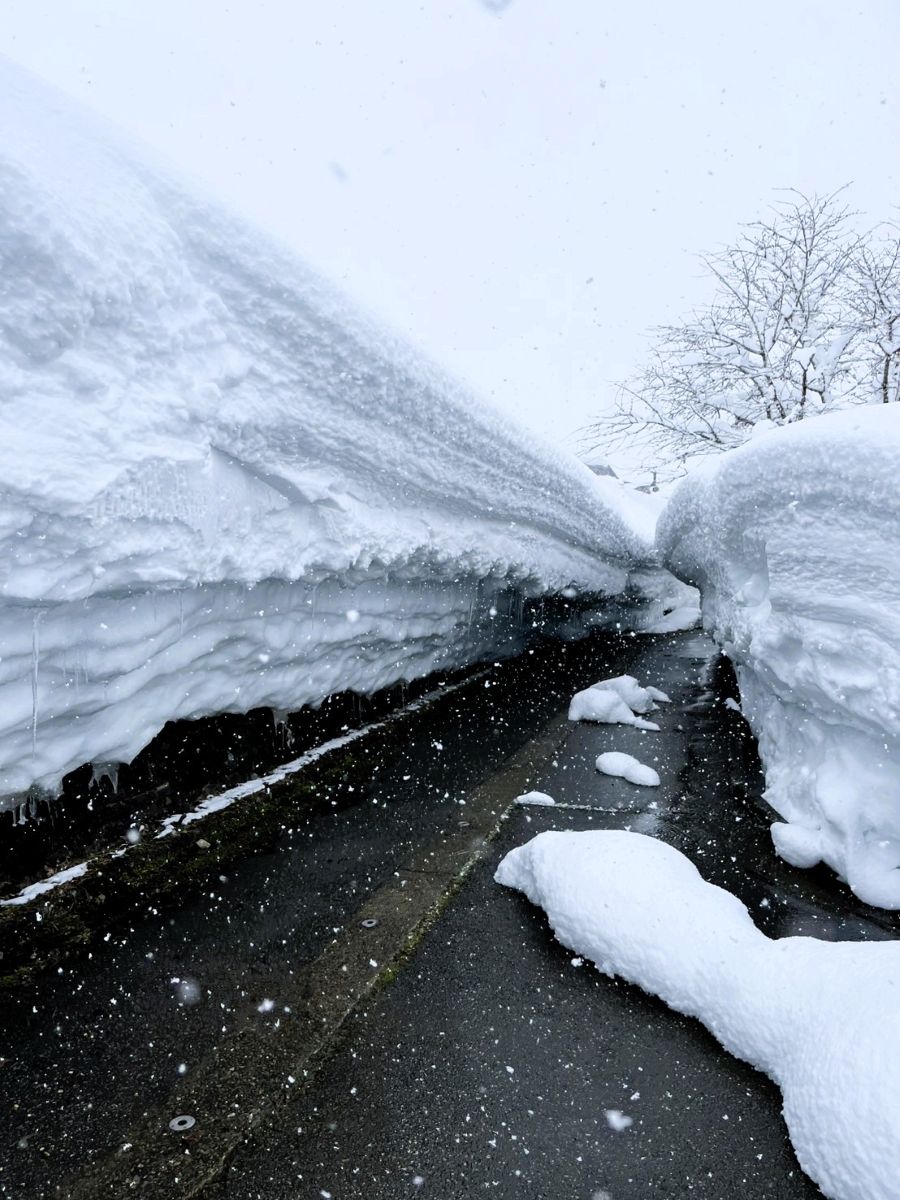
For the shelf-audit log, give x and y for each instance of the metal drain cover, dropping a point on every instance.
(369, 923)
(182, 1124)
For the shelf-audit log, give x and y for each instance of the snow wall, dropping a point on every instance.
(794, 541)
(220, 487)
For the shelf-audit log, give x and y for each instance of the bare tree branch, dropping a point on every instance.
(804, 318)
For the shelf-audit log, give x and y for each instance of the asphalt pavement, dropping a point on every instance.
(467, 1053)
(496, 1064)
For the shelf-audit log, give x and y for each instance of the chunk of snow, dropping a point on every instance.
(239, 492)
(606, 708)
(794, 540)
(616, 702)
(819, 1018)
(623, 766)
(617, 1120)
(639, 699)
(539, 798)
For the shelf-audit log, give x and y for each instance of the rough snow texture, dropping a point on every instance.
(222, 488)
(820, 1018)
(616, 702)
(624, 766)
(794, 540)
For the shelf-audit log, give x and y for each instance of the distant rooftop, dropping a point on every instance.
(597, 461)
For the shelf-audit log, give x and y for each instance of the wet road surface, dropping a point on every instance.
(490, 1061)
(85, 1051)
(490, 1064)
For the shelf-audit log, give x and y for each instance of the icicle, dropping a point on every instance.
(280, 717)
(105, 770)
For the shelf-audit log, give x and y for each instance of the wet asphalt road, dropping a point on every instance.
(489, 1063)
(85, 1051)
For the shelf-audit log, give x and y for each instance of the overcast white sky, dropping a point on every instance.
(518, 187)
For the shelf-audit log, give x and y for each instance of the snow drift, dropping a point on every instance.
(220, 487)
(794, 540)
(819, 1018)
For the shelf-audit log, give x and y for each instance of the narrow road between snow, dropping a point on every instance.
(484, 1058)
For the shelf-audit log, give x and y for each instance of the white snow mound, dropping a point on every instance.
(639, 699)
(606, 708)
(540, 799)
(794, 540)
(616, 702)
(819, 1018)
(222, 488)
(624, 766)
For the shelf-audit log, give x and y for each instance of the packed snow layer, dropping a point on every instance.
(819, 1018)
(221, 487)
(794, 541)
(625, 766)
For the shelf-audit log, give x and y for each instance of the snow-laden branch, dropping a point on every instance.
(804, 318)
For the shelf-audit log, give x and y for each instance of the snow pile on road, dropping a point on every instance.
(221, 488)
(538, 799)
(616, 702)
(794, 540)
(819, 1018)
(625, 766)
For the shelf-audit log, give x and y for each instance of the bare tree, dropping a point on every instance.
(875, 304)
(773, 345)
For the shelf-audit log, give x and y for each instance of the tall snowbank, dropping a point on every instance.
(794, 541)
(222, 488)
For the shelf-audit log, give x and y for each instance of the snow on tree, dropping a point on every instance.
(789, 333)
(875, 302)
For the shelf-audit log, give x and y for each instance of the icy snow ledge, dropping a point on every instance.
(220, 487)
(794, 541)
(640, 909)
